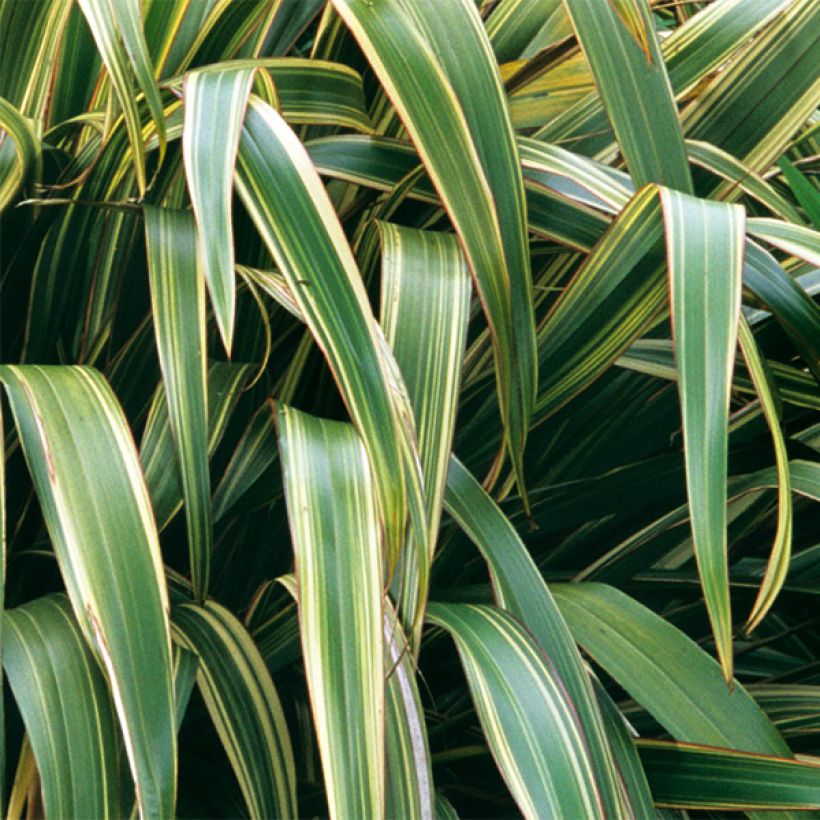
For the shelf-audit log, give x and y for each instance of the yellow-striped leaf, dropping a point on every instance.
(66, 708)
(782, 546)
(425, 303)
(520, 589)
(244, 706)
(437, 67)
(118, 31)
(408, 776)
(294, 215)
(214, 106)
(337, 548)
(705, 248)
(178, 301)
(688, 776)
(528, 720)
(19, 152)
(620, 43)
(95, 504)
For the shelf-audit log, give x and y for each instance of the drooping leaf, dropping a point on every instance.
(19, 152)
(665, 671)
(425, 303)
(525, 714)
(781, 548)
(688, 776)
(66, 708)
(214, 105)
(619, 40)
(436, 65)
(705, 250)
(293, 213)
(118, 32)
(95, 504)
(339, 565)
(178, 301)
(244, 706)
(520, 589)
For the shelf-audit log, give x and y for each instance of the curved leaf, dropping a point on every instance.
(87, 476)
(178, 302)
(244, 706)
(526, 716)
(437, 67)
(66, 708)
(705, 251)
(214, 106)
(293, 213)
(337, 548)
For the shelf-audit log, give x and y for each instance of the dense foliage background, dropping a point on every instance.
(410, 407)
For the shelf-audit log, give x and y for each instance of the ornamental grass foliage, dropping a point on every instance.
(409, 408)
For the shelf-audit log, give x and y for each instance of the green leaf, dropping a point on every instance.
(157, 449)
(793, 308)
(425, 304)
(19, 152)
(665, 671)
(705, 248)
(95, 503)
(437, 67)
(513, 24)
(408, 776)
(778, 565)
(620, 735)
(688, 776)
(520, 589)
(527, 719)
(656, 357)
(214, 106)
(804, 190)
(244, 706)
(613, 298)
(117, 29)
(804, 243)
(178, 302)
(339, 566)
(254, 453)
(292, 212)
(619, 40)
(770, 89)
(724, 165)
(65, 706)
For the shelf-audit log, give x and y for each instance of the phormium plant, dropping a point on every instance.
(410, 407)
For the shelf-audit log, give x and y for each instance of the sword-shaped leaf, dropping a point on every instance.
(688, 776)
(778, 565)
(178, 302)
(620, 43)
(214, 106)
(437, 67)
(338, 555)
(95, 504)
(66, 708)
(520, 589)
(678, 683)
(705, 256)
(244, 706)
(425, 304)
(118, 32)
(408, 776)
(527, 718)
(293, 213)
